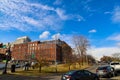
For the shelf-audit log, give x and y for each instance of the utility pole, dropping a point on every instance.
(55, 53)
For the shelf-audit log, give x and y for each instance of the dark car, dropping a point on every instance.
(105, 71)
(79, 75)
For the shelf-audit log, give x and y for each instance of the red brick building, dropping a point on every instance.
(48, 50)
(23, 51)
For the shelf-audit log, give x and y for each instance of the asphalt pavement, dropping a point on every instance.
(93, 69)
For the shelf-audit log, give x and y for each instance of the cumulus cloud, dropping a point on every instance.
(56, 36)
(103, 51)
(92, 31)
(116, 15)
(44, 35)
(63, 37)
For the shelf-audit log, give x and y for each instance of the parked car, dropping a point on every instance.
(115, 66)
(105, 71)
(79, 75)
(2, 65)
(19, 65)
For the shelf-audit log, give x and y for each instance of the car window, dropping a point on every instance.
(81, 73)
(109, 68)
(87, 73)
(102, 68)
(115, 63)
(70, 72)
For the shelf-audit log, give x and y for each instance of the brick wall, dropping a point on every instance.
(37, 50)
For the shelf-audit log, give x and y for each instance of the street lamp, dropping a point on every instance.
(7, 59)
(56, 53)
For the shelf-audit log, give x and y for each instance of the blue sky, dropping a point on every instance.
(98, 20)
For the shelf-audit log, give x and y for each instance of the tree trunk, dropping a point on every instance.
(79, 65)
(40, 68)
(69, 67)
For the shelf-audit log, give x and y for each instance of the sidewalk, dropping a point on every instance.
(8, 71)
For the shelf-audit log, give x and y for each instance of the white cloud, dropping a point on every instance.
(76, 17)
(61, 14)
(86, 5)
(116, 15)
(92, 31)
(107, 12)
(57, 2)
(115, 37)
(44, 35)
(118, 44)
(43, 7)
(56, 36)
(25, 16)
(29, 16)
(31, 21)
(68, 39)
(80, 18)
(64, 37)
(86, 1)
(103, 51)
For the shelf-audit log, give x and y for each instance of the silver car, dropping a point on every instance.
(105, 71)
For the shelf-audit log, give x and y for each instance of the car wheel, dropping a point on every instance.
(109, 75)
(116, 73)
(113, 74)
(96, 78)
(99, 76)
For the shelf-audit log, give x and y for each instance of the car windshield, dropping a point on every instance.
(115, 64)
(71, 72)
(102, 68)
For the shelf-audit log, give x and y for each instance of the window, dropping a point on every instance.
(115, 64)
(70, 72)
(80, 73)
(87, 73)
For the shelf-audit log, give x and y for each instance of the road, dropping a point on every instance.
(92, 69)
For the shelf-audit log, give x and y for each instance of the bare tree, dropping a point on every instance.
(91, 59)
(116, 56)
(81, 44)
(70, 61)
(42, 60)
(107, 58)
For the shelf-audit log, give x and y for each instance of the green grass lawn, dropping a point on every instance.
(47, 70)
(34, 74)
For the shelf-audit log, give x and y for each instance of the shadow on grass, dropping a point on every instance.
(30, 75)
(21, 77)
